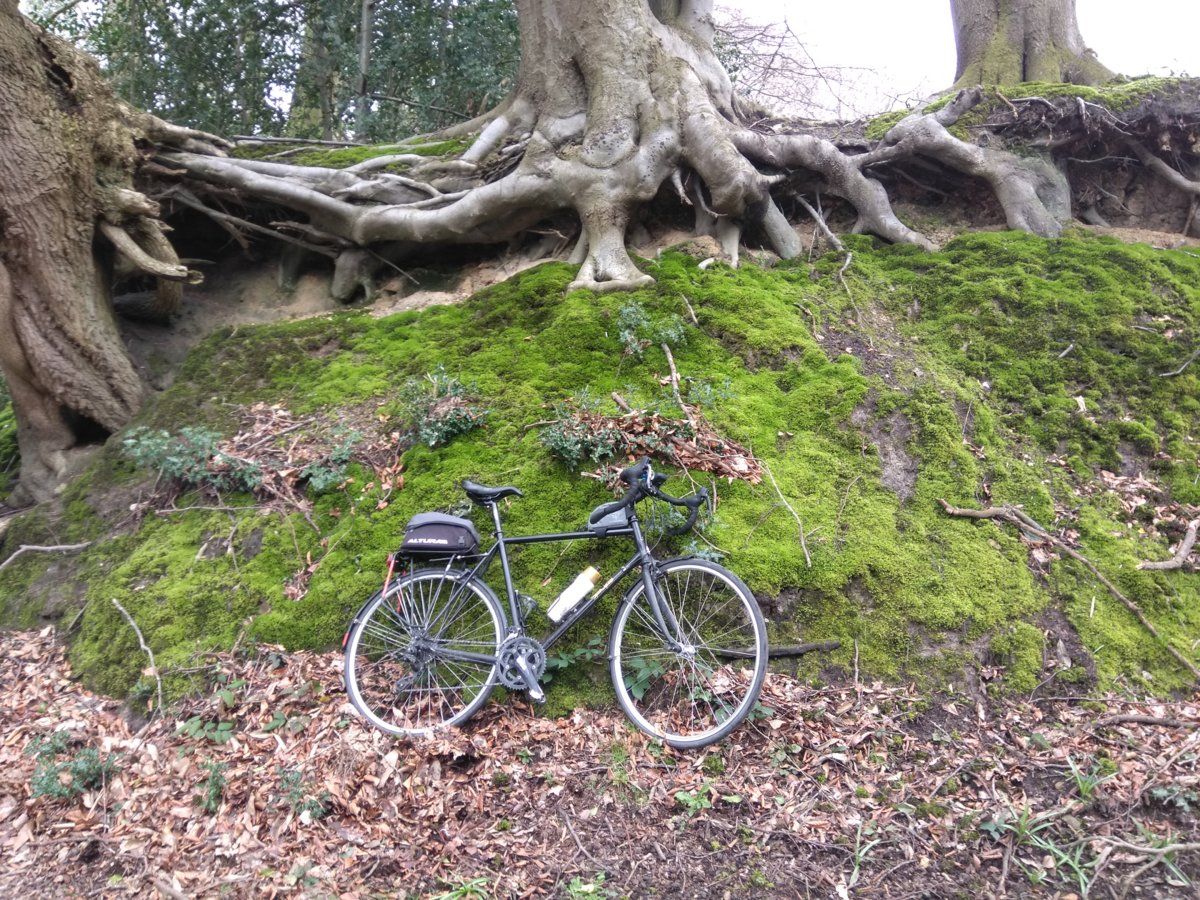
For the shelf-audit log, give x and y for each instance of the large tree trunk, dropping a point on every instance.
(66, 160)
(614, 99)
(1011, 41)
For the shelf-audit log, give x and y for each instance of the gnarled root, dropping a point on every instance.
(1035, 196)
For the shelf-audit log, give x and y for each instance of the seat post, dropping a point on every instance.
(510, 591)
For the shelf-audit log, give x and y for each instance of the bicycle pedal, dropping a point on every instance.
(537, 695)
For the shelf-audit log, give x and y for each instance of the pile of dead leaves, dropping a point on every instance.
(270, 785)
(694, 446)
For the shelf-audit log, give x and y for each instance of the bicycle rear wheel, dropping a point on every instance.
(695, 691)
(422, 656)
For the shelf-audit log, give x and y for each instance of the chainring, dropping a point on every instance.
(510, 651)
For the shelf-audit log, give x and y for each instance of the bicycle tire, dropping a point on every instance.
(429, 609)
(750, 635)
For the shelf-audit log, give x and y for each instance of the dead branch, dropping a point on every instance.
(1014, 516)
(795, 515)
(1182, 368)
(1134, 719)
(145, 649)
(675, 385)
(39, 548)
(1181, 555)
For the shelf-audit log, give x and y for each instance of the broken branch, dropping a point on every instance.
(1181, 555)
(1015, 516)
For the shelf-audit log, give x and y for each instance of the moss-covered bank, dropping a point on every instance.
(943, 376)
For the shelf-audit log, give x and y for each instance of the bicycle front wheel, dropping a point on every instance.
(423, 656)
(694, 684)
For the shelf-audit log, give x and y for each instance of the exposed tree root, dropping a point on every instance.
(1181, 555)
(1014, 516)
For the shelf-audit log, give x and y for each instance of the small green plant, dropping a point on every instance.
(191, 457)
(212, 788)
(644, 671)
(636, 330)
(63, 779)
(475, 889)
(1025, 828)
(714, 764)
(1087, 782)
(575, 441)
(564, 659)
(326, 474)
(439, 407)
(1185, 800)
(219, 731)
(695, 802)
(861, 852)
(297, 795)
(582, 887)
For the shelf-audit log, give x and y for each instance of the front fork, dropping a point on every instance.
(664, 616)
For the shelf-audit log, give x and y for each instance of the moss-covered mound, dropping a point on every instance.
(1003, 369)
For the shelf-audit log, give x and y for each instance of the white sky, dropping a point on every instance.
(908, 45)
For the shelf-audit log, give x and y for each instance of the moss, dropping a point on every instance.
(879, 126)
(344, 157)
(9, 455)
(980, 357)
(1020, 649)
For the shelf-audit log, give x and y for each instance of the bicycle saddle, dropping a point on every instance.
(482, 495)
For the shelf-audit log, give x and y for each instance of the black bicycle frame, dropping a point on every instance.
(663, 616)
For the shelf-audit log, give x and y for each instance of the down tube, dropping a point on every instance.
(584, 608)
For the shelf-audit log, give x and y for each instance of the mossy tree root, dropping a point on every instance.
(1015, 516)
(1035, 196)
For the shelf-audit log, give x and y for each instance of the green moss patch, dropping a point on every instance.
(964, 395)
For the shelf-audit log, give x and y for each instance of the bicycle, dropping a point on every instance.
(687, 647)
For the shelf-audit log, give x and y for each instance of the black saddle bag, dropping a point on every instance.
(437, 534)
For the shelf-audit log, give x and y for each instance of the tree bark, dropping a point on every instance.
(67, 156)
(1010, 41)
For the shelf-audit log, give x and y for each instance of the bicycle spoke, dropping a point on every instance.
(687, 692)
(401, 678)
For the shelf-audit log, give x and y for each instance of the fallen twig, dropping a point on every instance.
(795, 515)
(40, 548)
(675, 385)
(145, 648)
(1183, 367)
(1181, 555)
(1135, 719)
(1014, 516)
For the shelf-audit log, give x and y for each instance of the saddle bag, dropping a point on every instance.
(437, 534)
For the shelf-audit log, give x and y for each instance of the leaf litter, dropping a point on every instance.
(269, 785)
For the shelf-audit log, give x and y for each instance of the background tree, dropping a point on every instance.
(1010, 41)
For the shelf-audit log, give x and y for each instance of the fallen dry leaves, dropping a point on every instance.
(852, 790)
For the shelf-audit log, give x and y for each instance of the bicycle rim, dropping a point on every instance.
(397, 672)
(697, 693)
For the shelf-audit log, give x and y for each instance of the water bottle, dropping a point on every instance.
(574, 592)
